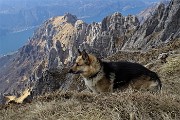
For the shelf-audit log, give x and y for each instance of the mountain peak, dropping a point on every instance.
(70, 18)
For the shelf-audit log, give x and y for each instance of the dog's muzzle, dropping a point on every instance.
(70, 71)
(74, 72)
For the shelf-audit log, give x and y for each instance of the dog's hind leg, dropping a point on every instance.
(145, 83)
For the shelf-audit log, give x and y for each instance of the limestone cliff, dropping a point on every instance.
(162, 27)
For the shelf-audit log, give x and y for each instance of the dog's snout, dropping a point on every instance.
(70, 71)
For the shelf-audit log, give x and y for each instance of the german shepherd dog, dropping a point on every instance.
(100, 76)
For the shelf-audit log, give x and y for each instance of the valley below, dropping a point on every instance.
(11, 42)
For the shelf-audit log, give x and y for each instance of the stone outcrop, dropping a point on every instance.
(162, 26)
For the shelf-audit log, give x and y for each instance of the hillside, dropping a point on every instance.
(119, 105)
(85, 106)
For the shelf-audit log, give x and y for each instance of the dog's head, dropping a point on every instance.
(85, 64)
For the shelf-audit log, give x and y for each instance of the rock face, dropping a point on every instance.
(42, 63)
(145, 14)
(110, 35)
(163, 26)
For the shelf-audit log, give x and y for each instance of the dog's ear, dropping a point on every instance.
(80, 53)
(85, 57)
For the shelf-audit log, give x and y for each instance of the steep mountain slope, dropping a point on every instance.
(42, 63)
(163, 26)
(145, 14)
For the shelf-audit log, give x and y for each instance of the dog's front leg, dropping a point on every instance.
(92, 89)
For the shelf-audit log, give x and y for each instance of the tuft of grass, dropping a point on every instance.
(172, 66)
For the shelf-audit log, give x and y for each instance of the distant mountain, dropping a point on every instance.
(18, 14)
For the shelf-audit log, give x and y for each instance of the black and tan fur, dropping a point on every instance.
(100, 76)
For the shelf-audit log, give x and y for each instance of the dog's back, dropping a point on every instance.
(131, 74)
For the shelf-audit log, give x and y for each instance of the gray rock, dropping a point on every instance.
(162, 26)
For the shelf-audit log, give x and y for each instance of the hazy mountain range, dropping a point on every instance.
(19, 16)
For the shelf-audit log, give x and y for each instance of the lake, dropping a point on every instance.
(13, 41)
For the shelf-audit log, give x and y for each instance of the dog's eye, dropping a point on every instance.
(78, 64)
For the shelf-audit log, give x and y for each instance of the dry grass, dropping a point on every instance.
(87, 106)
(128, 105)
(170, 74)
(172, 66)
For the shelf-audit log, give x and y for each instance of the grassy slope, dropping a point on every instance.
(119, 105)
